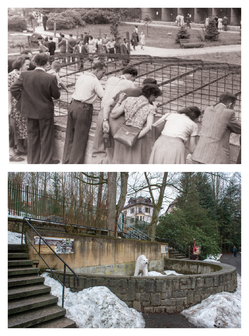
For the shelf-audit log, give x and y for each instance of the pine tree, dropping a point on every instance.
(211, 33)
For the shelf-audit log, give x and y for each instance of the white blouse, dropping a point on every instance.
(180, 126)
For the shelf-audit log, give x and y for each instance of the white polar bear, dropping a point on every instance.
(141, 266)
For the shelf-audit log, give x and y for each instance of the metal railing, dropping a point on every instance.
(26, 221)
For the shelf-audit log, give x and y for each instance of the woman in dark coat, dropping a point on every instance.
(134, 40)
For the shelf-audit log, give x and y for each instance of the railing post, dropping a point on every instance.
(63, 289)
(27, 199)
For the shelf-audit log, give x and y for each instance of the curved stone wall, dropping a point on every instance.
(170, 294)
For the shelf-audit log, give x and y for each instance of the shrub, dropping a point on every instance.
(75, 15)
(62, 21)
(211, 33)
(17, 23)
(182, 34)
(97, 16)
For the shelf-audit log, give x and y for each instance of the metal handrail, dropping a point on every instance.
(25, 221)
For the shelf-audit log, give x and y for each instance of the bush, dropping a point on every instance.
(17, 23)
(211, 33)
(97, 16)
(182, 34)
(75, 15)
(62, 21)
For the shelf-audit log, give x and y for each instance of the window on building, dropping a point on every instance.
(132, 210)
(147, 210)
(139, 210)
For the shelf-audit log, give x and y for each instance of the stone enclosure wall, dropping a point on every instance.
(169, 294)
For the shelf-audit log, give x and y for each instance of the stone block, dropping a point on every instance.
(113, 282)
(140, 285)
(145, 303)
(171, 309)
(137, 305)
(176, 284)
(122, 283)
(145, 296)
(155, 299)
(88, 283)
(149, 286)
(160, 309)
(149, 310)
(179, 293)
(209, 282)
(199, 282)
(102, 282)
(160, 286)
(82, 283)
(190, 296)
(168, 302)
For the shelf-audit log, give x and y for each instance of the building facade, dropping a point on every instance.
(198, 15)
(138, 209)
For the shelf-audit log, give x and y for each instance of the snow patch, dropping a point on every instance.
(15, 238)
(221, 310)
(96, 307)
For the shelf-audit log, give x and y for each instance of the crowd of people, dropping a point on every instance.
(34, 83)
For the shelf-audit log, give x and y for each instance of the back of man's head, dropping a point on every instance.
(131, 70)
(227, 97)
(98, 66)
(149, 80)
(41, 59)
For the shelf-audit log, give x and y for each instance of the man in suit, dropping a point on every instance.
(63, 46)
(34, 91)
(71, 45)
(81, 50)
(217, 124)
(44, 21)
(51, 49)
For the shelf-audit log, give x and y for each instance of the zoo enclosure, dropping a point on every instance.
(183, 82)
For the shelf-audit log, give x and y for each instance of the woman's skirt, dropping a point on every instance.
(138, 154)
(168, 150)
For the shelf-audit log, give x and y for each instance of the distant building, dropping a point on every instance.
(138, 209)
(198, 15)
(171, 207)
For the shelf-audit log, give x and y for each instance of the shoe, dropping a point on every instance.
(54, 161)
(16, 158)
(17, 152)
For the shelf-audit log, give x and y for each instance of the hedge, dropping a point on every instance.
(17, 23)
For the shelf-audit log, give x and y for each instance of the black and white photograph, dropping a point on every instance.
(124, 85)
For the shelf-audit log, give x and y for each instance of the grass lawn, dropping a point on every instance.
(157, 37)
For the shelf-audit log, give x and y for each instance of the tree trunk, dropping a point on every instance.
(111, 209)
(122, 198)
(156, 206)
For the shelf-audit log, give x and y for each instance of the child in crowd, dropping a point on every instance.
(55, 69)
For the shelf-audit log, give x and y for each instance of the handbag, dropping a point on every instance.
(157, 127)
(128, 135)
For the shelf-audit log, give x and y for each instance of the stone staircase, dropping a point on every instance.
(30, 304)
(174, 254)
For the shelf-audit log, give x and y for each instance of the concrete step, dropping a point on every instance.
(21, 271)
(63, 322)
(21, 292)
(19, 306)
(20, 263)
(18, 255)
(31, 318)
(17, 247)
(24, 281)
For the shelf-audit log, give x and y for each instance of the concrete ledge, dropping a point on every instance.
(169, 294)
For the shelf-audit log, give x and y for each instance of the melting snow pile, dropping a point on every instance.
(213, 258)
(221, 310)
(15, 238)
(167, 272)
(96, 307)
